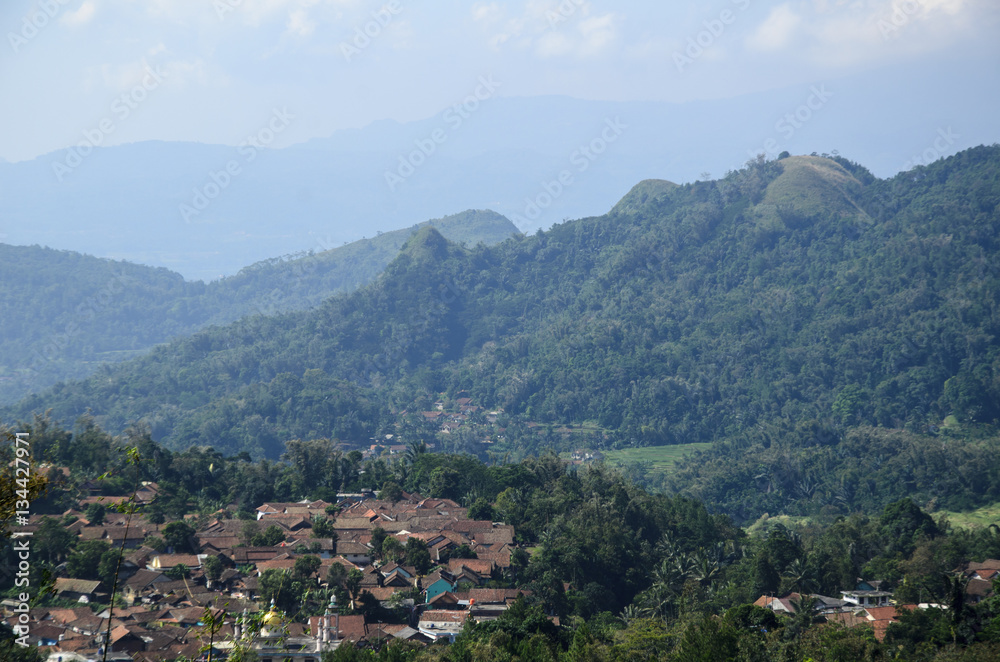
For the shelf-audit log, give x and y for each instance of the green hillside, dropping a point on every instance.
(65, 313)
(800, 297)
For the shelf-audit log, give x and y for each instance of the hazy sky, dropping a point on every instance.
(207, 70)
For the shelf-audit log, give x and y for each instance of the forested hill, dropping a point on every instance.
(792, 290)
(65, 313)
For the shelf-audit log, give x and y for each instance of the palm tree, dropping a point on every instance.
(799, 576)
(805, 616)
(629, 614)
(414, 450)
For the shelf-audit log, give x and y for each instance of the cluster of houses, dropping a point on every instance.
(868, 605)
(450, 421)
(161, 614)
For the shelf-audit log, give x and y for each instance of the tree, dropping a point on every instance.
(481, 509)
(155, 542)
(270, 537)
(367, 604)
(53, 541)
(378, 537)
(323, 528)
(213, 568)
(94, 512)
(179, 536)
(392, 549)
(84, 561)
(644, 640)
(416, 555)
(276, 585)
(903, 523)
(353, 583)
(708, 639)
(391, 491)
(107, 567)
(806, 615)
(179, 571)
(444, 483)
(336, 575)
(305, 567)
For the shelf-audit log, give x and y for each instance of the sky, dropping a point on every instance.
(210, 70)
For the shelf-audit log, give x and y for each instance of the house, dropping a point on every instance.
(141, 583)
(132, 537)
(981, 577)
(778, 605)
(880, 618)
(123, 640)
(354, 552)
(986, 571)
(867, 598)
(307, 508)
(475, 571)
(437, 583)
(147, 493)
(80, 590)
(405, 570)
(439, 624)
(446, 600)
(165, 562)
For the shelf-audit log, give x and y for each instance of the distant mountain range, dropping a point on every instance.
(206, 211)
(65, 313)
(792, 291)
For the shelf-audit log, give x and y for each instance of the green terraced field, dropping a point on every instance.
(661, 458)
(973, 519)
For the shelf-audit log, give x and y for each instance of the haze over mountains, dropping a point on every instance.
(499, 153)
(86, 311)
(795, 290)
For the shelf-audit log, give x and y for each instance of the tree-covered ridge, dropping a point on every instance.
(708, 309)
(66, 313)
(792, 290)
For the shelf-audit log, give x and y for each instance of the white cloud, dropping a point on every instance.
(598, 33)
(549, 28)
(554, 44)
(299, 24)
(777, 30)
(483, 12)
(81, 16)
(841, 33)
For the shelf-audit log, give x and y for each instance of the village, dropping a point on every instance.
(370, 571)
(364, 572)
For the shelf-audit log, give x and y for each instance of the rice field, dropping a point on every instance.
(660, 458)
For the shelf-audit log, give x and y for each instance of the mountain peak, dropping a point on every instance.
(426, 244)
(641, 194)
(813, 186)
